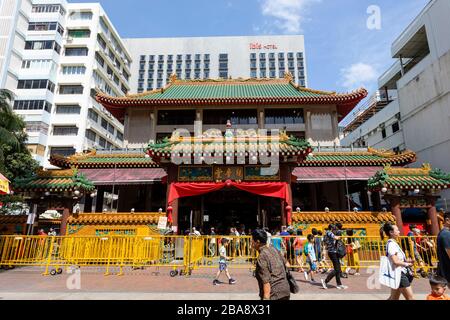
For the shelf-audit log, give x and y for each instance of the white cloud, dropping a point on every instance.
(358, 75)
(288, 15)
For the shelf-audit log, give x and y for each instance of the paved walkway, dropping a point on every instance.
(28, 283)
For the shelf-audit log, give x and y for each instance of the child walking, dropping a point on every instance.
(311, 258)
(223, 263)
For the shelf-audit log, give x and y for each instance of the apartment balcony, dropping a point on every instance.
(37, 138)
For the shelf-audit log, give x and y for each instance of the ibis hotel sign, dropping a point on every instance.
(260, 46)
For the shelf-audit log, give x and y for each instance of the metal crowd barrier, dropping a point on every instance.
(183, 254)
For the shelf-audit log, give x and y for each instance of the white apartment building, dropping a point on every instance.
(421, 79)
(54, 56)
(156, 59)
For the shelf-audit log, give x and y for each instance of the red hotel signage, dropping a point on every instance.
(259, 46)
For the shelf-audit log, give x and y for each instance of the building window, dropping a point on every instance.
(65, 130)
(48, 8)
(82, 33)
(37, 126)
(238, 116)
(102, 142)
(32, 105)
(299, 55)
(71, 52)
(383, 133)
(36, 84)
(74, 70)
(284, 116)
(91, 135)
(262, 74)
(395, 127)
(93, 115)
(45, 26)
(253, 74)
(70, 89)
(110, 128)
(68, 109)
(253, 56)
(81, 15)
(99, 59)
(42, 45)
(206, 57)
(119, 136)
(62, 151)
(272, 74)
(176, 117)
(104, 124)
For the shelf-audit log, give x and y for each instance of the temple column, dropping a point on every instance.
(283, 213)
(397, 212)
(376, 201)
(432, 216)
(99, 201)
(312, 188)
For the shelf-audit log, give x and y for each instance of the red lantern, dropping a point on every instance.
(288, 208)
(228, 183)
(169, 209)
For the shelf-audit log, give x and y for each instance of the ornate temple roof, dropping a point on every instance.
(409, 179)
(248, 146)
(342, 217)
(232, 92)
(110, 160)
(371, 157)
(116, 218)
(55, 180)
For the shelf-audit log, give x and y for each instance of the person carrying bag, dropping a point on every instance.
(395, 270)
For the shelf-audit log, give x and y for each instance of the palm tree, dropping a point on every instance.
(11, 126)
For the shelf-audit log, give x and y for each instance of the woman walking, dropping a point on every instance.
(270, 269)
(396, 255)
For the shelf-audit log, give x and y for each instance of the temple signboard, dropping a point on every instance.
(223, 173)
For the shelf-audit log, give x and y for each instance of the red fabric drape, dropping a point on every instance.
(267, 189)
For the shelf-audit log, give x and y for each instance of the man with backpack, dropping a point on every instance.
(335, 252)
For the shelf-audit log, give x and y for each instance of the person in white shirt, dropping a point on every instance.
(195, 232)
(398, 258)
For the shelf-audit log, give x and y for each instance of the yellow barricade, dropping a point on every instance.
(182, 254)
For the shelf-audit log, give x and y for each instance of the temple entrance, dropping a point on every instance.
(229, 208)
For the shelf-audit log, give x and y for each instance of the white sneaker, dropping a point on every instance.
(357, 274)
(324, 285)
(342, 287)
(347, 270)
(306, 275)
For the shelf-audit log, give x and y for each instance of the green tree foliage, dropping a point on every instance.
(15, 158)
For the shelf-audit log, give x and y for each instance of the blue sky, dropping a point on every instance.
(342, 52)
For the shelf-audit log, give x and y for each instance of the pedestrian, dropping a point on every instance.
(212, 242)
(41, 232)
(340, 232)
(438, 286)
(414, 238)
(330, 240)
(223, 263)
(443, 249)
(298, 250)
(195, 232)
(311, 258)
(398, 258)
(237, 243)
(270, 269)
(277, 242)
(353, 246)
(52, 232)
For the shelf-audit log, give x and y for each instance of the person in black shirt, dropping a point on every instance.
(443, 249)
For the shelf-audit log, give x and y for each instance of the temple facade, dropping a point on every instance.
(238, 153)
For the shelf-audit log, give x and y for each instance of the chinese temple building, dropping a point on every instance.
(224, 153)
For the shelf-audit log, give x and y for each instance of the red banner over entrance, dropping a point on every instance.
(267, 189)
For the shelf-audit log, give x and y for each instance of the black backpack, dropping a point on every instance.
(341, 249)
